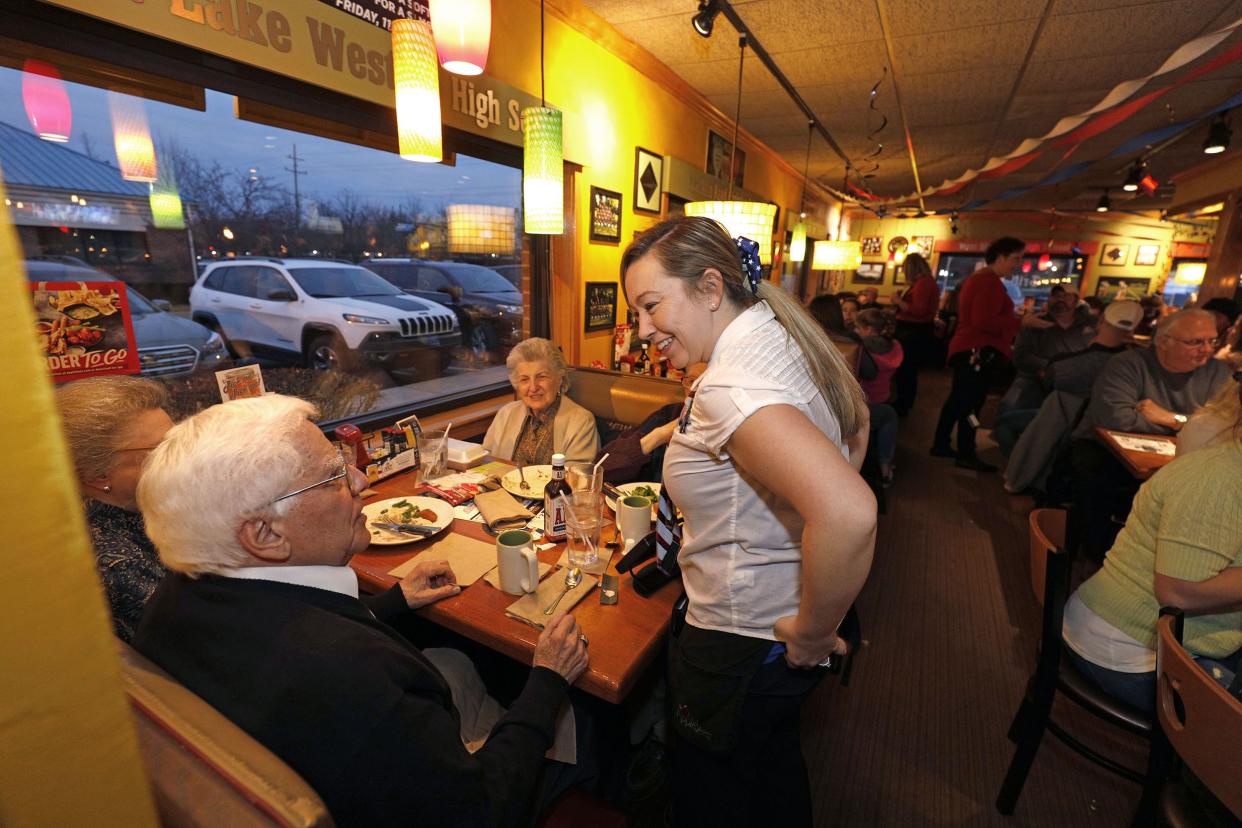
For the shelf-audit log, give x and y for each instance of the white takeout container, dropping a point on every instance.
(461, 455)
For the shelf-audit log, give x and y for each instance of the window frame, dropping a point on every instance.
(133, 57)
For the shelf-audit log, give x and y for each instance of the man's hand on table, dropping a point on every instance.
(562, 648)
(1156, 415)
(429, 582)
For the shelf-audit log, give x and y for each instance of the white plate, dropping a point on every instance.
(536, 477)
(386, 537)
(626, 488)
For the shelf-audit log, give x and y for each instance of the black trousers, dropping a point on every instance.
(762, 779)
(918, 346)
(966, 398)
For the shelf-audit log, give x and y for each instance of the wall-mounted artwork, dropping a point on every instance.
(871, 245)
(1114, 254)
(923, 245)
(648, 180)
(1146, 255)
(870, 273)
(605, 215)
(601, 306)
(1111, 288)
(719, 150)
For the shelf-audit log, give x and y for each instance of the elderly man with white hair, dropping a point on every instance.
(1147, 390)
(257, 516)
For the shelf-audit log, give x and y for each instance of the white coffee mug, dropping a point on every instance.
(516, 562)
(633, 520)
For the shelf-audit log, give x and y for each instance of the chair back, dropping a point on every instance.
(851, 351)
(203, 769)
(1047, 531)
(1201, 720)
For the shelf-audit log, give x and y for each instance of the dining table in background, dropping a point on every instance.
(1140, 464)
(624, 637)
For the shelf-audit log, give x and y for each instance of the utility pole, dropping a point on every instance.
(297, 198)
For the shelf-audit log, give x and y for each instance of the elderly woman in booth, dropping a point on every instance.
(543, 420)
(111, 425)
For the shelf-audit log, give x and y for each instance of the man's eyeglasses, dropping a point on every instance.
(342, 470)
(1196, 343)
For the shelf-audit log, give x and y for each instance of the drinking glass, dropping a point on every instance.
(432, 449)
(582, 525)
(582, 477)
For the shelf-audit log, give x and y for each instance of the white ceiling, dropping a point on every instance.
(977, 77)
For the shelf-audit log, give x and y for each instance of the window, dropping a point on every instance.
(311, 213)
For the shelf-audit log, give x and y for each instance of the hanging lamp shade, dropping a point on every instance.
(752, 219)
(417, 81)
(47, 101)
(463, 30)
(797, 244)
(480, 228)
(131, 135)
(542, 171)
(837, 255)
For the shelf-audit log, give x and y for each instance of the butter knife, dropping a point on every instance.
(408, 528)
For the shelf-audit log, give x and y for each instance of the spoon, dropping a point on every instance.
(572, 578)
(522, 476)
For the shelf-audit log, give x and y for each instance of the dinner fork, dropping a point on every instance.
(522, 476)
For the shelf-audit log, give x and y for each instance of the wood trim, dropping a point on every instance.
(590, 25)
(566, 293)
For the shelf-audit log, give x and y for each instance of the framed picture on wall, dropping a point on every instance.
(870, 273)
(648, 180)
(1111, 288)
(601, 306)
(719, 151)
(871, 245)
(1114, 254)
(605, 215)
(899, 275)
(923, 245)
(1146, 255)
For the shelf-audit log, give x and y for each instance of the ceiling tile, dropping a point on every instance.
(921, 17)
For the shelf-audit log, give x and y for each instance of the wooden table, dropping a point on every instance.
(1141, 464)
(625, 636)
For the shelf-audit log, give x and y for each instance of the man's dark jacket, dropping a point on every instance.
(347, 702)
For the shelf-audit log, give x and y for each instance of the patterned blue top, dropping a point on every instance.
(128, 563)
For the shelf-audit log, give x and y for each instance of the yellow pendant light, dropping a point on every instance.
(135, 152)
(797, 244)
(480, 228)
(836, 255)
(543, 195)
(463, 30)
(416, 77)
(752, 219)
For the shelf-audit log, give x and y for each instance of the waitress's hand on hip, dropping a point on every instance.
(802, 650)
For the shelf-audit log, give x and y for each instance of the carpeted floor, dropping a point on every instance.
(950, 624)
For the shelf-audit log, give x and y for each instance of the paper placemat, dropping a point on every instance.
(1151, 445)
(529, 608)
(493, 575)
(598, 568)
(469, 558)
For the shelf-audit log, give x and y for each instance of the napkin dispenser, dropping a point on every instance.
(460, 455)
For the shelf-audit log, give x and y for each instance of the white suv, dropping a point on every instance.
(324, 313)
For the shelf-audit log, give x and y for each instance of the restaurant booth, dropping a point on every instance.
(274, 131)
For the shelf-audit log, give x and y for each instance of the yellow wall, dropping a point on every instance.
(1038, 227)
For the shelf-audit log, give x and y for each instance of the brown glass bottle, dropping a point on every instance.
(555, 496)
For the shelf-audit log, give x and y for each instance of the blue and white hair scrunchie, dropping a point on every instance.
(748, 253)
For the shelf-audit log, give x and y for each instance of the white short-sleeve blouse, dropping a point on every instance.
(741, 556)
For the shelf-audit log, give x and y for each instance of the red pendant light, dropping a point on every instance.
(463, 32)
(47, 101)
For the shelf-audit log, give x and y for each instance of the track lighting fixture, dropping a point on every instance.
(1105, 203)
(1134, 177)
(1218, 136)
(706, 17)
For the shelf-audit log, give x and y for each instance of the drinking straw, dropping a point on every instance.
(599, 463)
(446, 433)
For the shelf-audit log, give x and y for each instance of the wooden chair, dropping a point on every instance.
(1055, 672)
(1200, 724)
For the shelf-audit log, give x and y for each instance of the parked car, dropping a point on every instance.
(168, 345)
(326, 314)
(488, 306)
